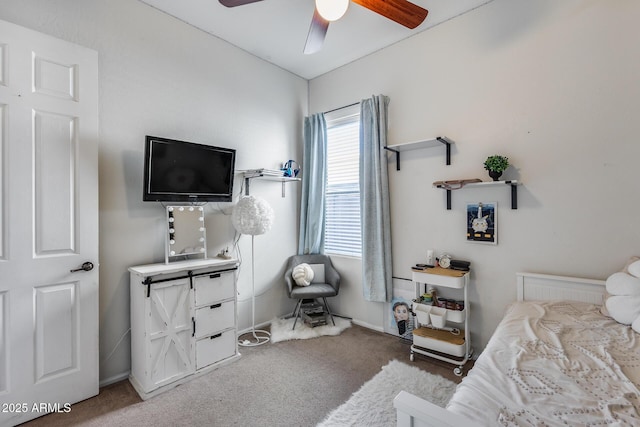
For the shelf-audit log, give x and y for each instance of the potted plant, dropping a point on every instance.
(496, 164)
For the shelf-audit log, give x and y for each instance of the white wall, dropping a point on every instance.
(553, 86)
(161, 77)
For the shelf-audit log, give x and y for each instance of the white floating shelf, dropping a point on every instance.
(424, 143)
(248, 176)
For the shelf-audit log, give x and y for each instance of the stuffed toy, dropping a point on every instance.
(302, 274)
(623, 302)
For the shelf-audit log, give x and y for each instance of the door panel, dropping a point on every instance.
(54, 79)
(49, 221)
(55, 187)
(56, 318)
(170, 329)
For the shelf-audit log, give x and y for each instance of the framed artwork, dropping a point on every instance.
(401, 319)
(482, 222)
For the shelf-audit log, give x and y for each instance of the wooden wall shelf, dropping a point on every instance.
(511, 183)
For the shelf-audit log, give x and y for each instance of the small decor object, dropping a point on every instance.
(444, 261)
(496, 164)
(302, 274)
(482, 225)
(290, 169)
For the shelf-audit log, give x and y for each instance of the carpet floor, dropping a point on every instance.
(290, 383)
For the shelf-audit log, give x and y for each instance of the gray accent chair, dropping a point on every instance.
(315, 290)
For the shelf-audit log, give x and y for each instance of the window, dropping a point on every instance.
(342, 198)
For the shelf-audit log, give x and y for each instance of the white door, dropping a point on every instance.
(48, 224)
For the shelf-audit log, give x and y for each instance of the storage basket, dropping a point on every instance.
(438, 317)
(422, 313)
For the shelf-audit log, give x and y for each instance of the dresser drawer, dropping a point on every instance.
(215, 348)
(213, 287)
(215, 318)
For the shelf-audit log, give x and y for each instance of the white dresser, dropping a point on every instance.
(183, 321)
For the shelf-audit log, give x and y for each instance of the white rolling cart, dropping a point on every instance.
(442, 333)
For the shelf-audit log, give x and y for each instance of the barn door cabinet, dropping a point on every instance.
(183, 322)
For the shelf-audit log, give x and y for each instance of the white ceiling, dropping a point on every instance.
(276, 30)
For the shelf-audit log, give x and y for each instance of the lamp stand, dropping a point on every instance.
(265, 335)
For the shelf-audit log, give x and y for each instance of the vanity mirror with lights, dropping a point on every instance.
(186, 235)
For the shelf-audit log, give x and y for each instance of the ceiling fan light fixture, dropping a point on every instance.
(332, 10)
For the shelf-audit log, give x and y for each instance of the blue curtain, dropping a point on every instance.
(374, 200)
(314, 178)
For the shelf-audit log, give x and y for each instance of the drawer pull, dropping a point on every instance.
(214, 276)
(215, 336)
(216, 306)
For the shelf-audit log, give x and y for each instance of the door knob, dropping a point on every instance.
(87, 266)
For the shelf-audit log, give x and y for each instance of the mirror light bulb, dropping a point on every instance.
(171, 219)
(332, 10)
(181, 209)
(190, 208)
(171, 230)
(173, 253)
(172, 242)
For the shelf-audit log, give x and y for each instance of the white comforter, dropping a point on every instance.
(554, 364)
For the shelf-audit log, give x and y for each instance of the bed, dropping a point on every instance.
(554, 360)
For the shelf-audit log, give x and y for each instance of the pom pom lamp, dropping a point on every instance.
(253, 216)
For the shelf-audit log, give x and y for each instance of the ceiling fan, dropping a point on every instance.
(401, 11)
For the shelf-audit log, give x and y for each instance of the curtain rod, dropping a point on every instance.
(340, 108)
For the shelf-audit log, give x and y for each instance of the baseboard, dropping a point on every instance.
(368, 325)
(114, 379)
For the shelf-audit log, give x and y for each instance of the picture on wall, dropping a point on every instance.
(482, 222)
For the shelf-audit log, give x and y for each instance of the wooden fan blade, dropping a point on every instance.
(234, 3)
(317, 33)
(402, 11)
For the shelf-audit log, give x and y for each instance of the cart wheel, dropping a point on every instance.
(458, 371)
(411, 357)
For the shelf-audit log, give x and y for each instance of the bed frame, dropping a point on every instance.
(415, 412)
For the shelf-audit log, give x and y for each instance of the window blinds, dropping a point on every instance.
(342, 221)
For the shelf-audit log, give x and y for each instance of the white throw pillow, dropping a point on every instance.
(616, 282)
(634, 269)
(623, 308)
(302, 274)
(621, 283)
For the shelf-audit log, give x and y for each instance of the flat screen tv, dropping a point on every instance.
(179, 171)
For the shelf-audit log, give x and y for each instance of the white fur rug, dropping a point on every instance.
(372, 405)
(281, 329)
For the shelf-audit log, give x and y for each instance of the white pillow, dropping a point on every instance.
(623, 308)
(302, 274)
(621, 283)
(633, 261)
(634, 268)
